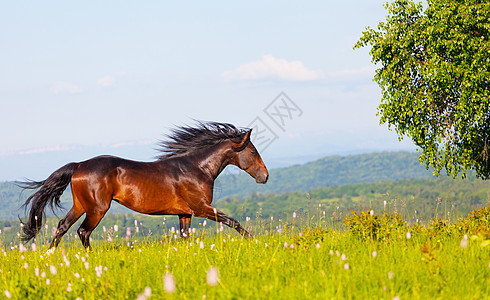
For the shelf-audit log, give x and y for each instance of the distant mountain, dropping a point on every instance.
(325, 172)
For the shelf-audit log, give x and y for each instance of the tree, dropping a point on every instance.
(434, 71)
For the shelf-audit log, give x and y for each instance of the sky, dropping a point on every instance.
(115, 76)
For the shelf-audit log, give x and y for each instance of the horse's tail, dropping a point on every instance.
(48, 191)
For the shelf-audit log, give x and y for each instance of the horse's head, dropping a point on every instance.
(247, 158)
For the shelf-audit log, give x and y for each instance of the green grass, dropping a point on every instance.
(301, 262)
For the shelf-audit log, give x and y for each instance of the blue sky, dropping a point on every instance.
(117, 73)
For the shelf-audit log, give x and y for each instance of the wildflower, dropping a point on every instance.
(292, 246)
(33, 247)
(409, 235)
(22, 248)
(212, 246)
(68, 289)
(294, 215)
(7, 294)
(116, 228)
(36, 271)
(86, 265)
(169, 283)
(396, 298)
(43, 274)
(337, 252)
(25, 266)
(212, 276)
(104, 229)
(464, 242)
(390, 275)
(371, 212)
(147, 292)
(48, 281)
(201, 245)
(67, 262)
(318, 246)
(344, 257)
(52, 269)
(77, 275)
(375, 254)
(285, 244)
(346, 266)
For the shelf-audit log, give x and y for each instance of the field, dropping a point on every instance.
(369, 256)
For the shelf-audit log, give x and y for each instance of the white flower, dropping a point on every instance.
(147, 292)
(36, 271)
(48, 281)
(318, 246)
(375, 254)
(116, 228)
(344, 257)
(464, 243)
(52, 269)
(68, 289)
(212, 276)
(285, 244)
(169, 283)
(409, 235)
(77, 275)
(294, 215)
(201, 245)
(25, 266)
(390, 275)
(346, 266)
(7, 294)
(371, 212)
(33, 247)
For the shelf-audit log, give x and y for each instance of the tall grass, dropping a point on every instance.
(291, 258)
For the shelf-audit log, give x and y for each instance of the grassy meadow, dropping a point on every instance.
(369, 256)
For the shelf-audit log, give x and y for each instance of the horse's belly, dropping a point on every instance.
(155, 206)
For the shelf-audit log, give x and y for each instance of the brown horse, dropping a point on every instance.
(179, 183)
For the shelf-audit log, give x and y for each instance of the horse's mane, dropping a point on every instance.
(185, 139)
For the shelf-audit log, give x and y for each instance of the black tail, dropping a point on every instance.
(49, 191)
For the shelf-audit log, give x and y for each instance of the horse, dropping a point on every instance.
(180, 182)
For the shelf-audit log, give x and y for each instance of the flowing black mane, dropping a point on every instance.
(185, 139)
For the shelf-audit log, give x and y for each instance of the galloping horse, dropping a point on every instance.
(180, 182)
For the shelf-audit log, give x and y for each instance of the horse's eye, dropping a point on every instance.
(253, 152)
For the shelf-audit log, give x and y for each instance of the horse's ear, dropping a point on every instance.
(244, 141)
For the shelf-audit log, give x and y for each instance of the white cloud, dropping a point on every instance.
(106, 81)
(270, 67)
(61, 87)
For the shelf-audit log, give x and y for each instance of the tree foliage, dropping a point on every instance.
(434, 71)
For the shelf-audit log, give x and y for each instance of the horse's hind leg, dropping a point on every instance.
(185, 225)
(88, 225)
(65, 224)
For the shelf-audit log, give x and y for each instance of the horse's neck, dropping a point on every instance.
(212, 163)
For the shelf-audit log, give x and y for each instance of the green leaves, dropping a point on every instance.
(434, 75)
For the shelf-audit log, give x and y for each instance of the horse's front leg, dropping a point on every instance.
(212, 213)
(185, 225)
